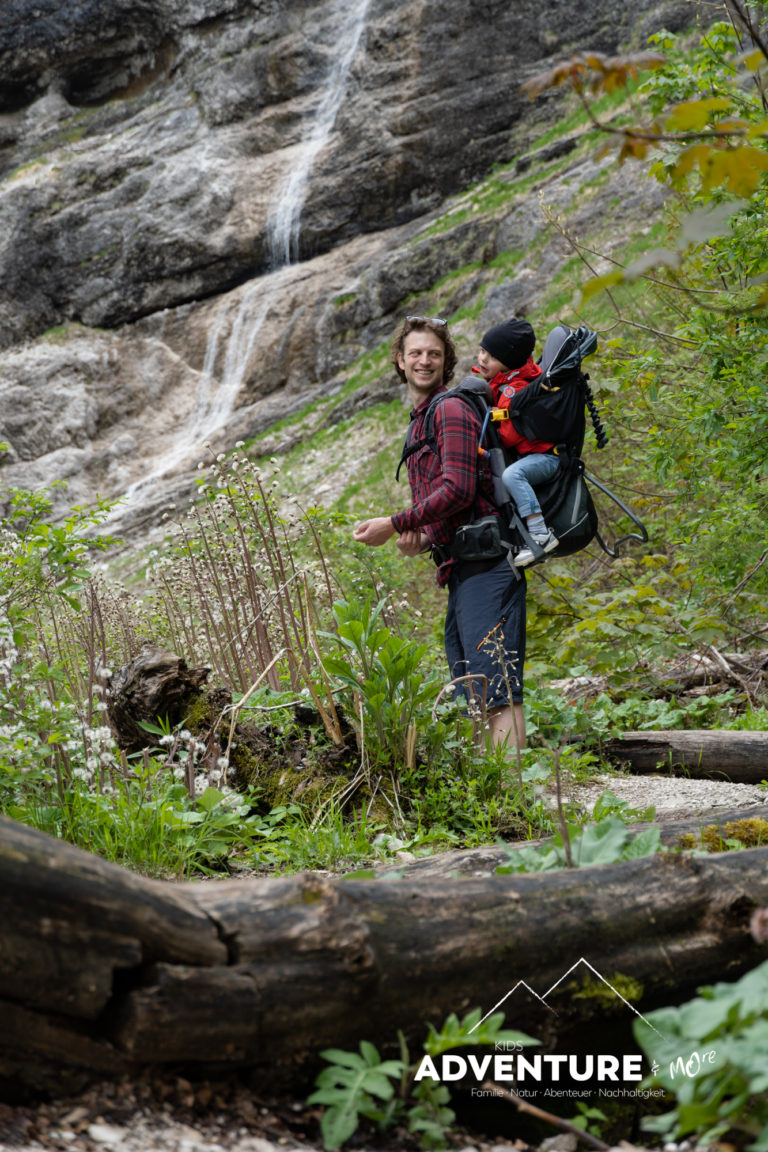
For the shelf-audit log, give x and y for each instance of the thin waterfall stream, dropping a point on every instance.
(216, 395)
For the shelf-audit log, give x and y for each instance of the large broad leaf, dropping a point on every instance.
(693, 115)
(600, 843)
(646, 843)
(337, 1125)
(209, 799)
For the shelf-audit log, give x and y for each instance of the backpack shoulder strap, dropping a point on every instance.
(472, 390)
(410, 446)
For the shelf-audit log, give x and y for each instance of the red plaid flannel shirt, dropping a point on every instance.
(444, 484)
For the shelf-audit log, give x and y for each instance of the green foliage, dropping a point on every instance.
(385, 675)
(47, 732)
(606, 841)
(291, 839)
(472, 1030)
(146, 821)
(41, 561)
(347, 1088)
(589, 1119)
(604, 717)
(711, 1054)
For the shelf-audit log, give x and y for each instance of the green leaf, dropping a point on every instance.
(693, 115)
(646, 843)
(337, 1125)
(339, 1056)
(208, 799)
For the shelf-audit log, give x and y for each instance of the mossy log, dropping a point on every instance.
(283, 767)
(104, 972)
(747, 825)
(722, 754)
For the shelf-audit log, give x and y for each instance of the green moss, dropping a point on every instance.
(751, 833)
(57, 333)
(627, 987)
(198, 714)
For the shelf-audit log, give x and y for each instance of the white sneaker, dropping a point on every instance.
(548, 542)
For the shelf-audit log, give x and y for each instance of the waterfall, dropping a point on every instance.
(285, 214)
(215, 400)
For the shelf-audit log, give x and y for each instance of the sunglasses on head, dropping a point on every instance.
(428, 319)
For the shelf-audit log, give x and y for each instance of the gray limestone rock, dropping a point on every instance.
(142, 145)
(158, 162)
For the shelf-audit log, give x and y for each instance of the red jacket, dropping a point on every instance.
(504, 386)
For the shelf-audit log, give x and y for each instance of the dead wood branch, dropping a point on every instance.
(720, 753)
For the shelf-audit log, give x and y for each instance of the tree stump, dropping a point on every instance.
(155, 686)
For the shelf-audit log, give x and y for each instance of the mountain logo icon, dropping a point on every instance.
(521, 984)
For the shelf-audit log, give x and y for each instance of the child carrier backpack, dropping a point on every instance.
(552, 408)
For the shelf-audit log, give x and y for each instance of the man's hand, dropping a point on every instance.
(412, 542)
(376, 531)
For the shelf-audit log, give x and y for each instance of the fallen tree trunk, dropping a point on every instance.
(718, 753)
(265, 973)
(674, 833)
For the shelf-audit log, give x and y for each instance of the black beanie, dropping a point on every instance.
(511, 342)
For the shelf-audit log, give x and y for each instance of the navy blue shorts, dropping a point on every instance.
(485, 633)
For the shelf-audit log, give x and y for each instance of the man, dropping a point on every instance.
(485, 619)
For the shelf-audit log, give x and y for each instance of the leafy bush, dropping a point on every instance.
(711, 1054)
(384, 674)
(348, 1086)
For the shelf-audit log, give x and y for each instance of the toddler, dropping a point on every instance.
(505, 360)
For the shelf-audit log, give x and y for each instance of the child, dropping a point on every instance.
(505, 360)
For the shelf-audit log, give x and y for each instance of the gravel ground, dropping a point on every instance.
(673, 797)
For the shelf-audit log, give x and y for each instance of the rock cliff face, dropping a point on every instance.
(216, 205)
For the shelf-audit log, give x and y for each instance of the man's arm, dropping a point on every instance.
(380, 529)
